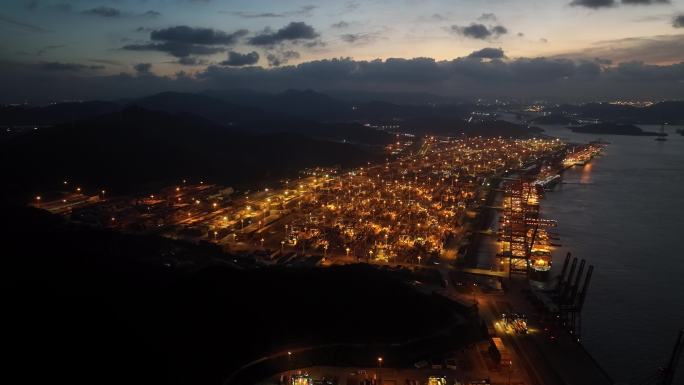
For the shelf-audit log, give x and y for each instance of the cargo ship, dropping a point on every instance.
(583, 154)
(547, 181)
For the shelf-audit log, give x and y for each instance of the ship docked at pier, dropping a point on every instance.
(581, 155)
(525, 241)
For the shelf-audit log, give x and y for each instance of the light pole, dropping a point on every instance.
(510, 370)
(282, 244)
(289, 365)
(380, 371)
(474, 286)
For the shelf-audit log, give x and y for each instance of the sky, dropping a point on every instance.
(583, 49)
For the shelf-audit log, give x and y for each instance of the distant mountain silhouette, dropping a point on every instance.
(135, 147)
(663, 112)
(54, 113)
(201, 105)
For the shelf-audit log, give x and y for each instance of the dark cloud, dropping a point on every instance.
(103, 12)
(191, 61)
(236, 59)
(593, 3)
(151, 14)
(488, 53)
(70, 67)
(203, 36)
(359, 37)
(678, 21)
(258, 15)
(557, 79)
(176, 49)
(279, 58)
(143, 68)
(645, 2)
(301, 11)
(291, 32)
(183, 41)
(538, 76)
(340, 25)
(499, 30)
(480, 31)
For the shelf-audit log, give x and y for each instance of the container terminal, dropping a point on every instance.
(428, 207)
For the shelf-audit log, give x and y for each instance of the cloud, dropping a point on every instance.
(487, 17)
(522, 77)
(488, 53)
(278, 58)
(593, 3)
(182, 41)
(21, 24)
(71, 67)
(103, 11)
(291, 32)
(151, 14)
(556, 79)
(191, 61)
(678, 21)
(352, 38)
(203, 36)
(301, 11)
(661, 49)
(480, 31)
(236, 59)
(40, 51)
(143, 68)
(645, 2)
(176, 49)
(258, 15)
(596, 4)
(340, 24)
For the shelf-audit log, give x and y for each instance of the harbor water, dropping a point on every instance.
(624, 213)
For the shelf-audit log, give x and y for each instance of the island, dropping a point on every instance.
(555, 119)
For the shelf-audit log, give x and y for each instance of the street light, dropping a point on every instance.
(380, 370)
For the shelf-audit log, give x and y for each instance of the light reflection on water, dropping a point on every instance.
(623, 212)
